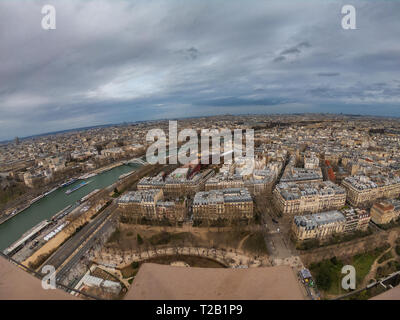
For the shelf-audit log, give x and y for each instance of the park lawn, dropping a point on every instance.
(363, 262)
(387, 256)
(328, 273)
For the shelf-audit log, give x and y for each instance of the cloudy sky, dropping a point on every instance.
(115, 61)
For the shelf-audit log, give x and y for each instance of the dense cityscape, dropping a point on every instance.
(199, 159)
(321, 191)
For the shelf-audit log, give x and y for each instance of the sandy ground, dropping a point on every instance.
(163, 282)
(15, 283)
(392, 294)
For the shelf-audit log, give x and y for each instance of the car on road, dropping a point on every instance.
(274, 220)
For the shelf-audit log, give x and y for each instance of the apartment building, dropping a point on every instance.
(295, 198)
(149, 204)
(311, 162)
(182, 181)
(384, 212)
(259, 181)
(227, 204)
(356, 219)
(325, 224)
(363, 190)
(318, 225)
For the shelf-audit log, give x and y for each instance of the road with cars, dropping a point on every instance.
(86, 234)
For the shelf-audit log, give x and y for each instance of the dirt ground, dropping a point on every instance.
(126, 237)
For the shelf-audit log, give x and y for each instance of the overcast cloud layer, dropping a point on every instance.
(114, 61)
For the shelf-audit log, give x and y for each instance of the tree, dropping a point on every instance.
(139, 239)
(324, 280)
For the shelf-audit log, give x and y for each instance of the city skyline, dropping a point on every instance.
(105, 125)
(147, 61)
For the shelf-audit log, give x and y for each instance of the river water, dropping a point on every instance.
(45, 208)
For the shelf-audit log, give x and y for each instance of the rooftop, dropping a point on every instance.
(292, 191)
(221, 196)
(139, 196)
(312, 221)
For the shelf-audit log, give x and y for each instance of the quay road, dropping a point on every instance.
(85, 234)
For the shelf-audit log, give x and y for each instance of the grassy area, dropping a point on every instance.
(363, 263)
(388, 268)
(328, 276)
(386, 256)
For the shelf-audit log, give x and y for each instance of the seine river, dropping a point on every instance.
(45, 208)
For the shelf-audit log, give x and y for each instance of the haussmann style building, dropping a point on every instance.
(294, 198)
(149, 204)
(363, 190)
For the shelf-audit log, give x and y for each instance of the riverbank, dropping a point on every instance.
(13, 227)
(14, 211)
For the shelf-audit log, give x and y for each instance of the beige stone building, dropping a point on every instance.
(34, 180)
(385, 211)
(295, 198)
(325, 224)
(319, 225)
(228, 204)
(258, 182)
(363, 190)
(149, 204)
(179, 182)
(356, 219)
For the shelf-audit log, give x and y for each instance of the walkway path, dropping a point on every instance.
(240, 245)
(231, 259)
(372, 272)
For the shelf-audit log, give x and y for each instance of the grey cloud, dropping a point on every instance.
(296, 49)
(290, 51)
(117, 60)
(279, 58)
(190, 53)
(239, 101)
(328, 74)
